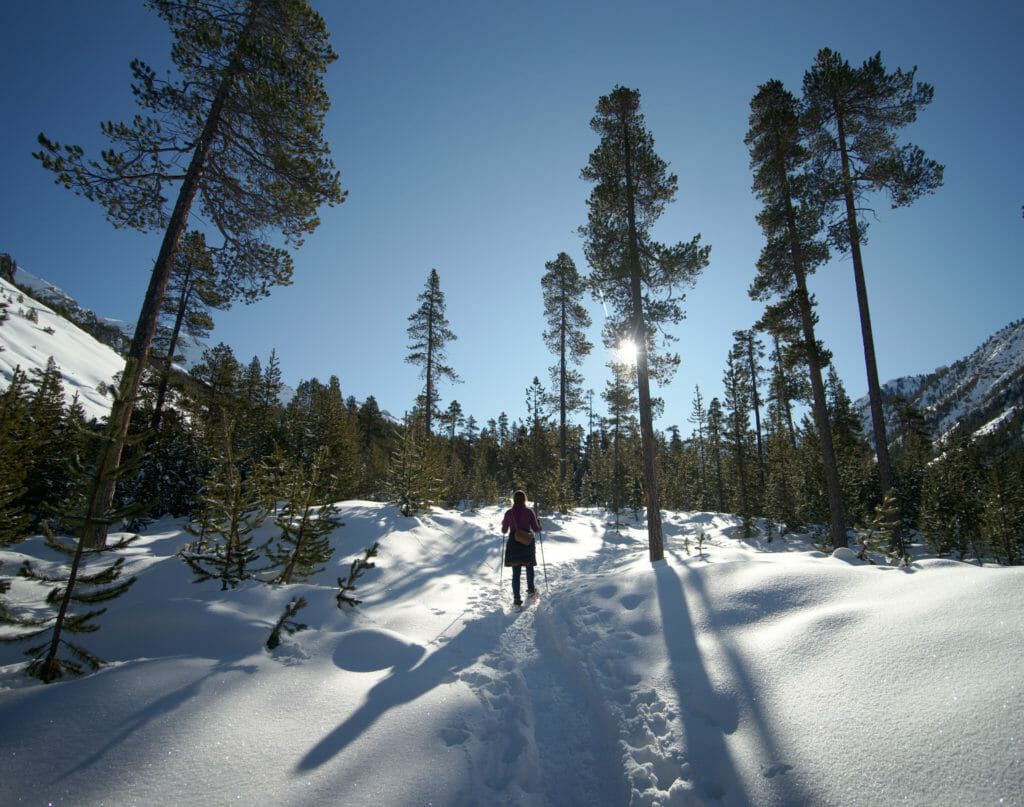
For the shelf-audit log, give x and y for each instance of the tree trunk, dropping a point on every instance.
(836, 508)
(885, 477)
(655, 541)
(561, 394)
(165, 376)
(94, 530)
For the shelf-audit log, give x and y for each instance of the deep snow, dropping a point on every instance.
(754, 673)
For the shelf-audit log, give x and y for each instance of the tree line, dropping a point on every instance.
(238, 135)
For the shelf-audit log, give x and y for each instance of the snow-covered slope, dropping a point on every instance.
(84, 362)
(746, 674)
(982, 389)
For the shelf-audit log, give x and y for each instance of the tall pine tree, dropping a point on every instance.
(791, 222)
(241, 129)
(565, 336)
(430, 333)
(638, 276)
(851, 118)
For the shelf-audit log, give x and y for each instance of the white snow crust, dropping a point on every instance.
(752, 673)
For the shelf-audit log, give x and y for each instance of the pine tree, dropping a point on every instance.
(192, 291)
(247, 114)
(232, 507)
(716, 421)
(17, 449)
(415, 476)
(851, 118)
(639, 277)
(736, 434)
(621, 402)
(565, 336)
(80, 585)
(1002, 517)
(699, 418)
(791, 222)
(306, 523)
(541, 480)
(428, 329)
(951, 501)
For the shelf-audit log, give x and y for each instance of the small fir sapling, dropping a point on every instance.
(359, 565)
(884, 523)
(75, 586)
(232, 508)
(287, 622)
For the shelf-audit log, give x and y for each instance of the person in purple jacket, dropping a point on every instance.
(518, 554)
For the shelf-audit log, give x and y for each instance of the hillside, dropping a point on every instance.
(743, 674)
(33, 332)
(981, 390)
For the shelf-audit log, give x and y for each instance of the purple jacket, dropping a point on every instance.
(524, 517)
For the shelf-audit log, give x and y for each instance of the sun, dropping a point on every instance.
(626, 352)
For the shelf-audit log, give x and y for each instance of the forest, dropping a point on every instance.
(783, 449)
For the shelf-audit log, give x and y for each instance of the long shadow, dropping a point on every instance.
(475, 639)
(719, 714)
(158, 708)
(706, 716)
(787, 788)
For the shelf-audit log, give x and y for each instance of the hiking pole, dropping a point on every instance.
(543, 565)
(501, 563)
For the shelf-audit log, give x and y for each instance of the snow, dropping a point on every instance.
(751, 673)
(84, 362)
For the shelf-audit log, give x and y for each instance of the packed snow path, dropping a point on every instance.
(736, 673)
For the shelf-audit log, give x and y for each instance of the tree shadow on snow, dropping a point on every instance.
(407, 682)
(709, 716)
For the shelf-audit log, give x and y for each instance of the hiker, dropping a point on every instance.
(522, 520)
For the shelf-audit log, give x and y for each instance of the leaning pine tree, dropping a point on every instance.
(851, 118)
(639, 277)
(241, 130)
(791, 224)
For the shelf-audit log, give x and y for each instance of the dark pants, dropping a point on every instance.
(515, 580)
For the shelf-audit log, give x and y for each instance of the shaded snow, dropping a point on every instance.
(760, 674)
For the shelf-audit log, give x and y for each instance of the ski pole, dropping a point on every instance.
(543, 565)
(501, 563)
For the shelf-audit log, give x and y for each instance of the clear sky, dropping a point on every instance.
(460, 129)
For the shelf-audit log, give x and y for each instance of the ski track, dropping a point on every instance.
(548, 671)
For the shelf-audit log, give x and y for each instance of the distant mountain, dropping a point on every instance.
(80, 337)
(982, 391)
(32, 331)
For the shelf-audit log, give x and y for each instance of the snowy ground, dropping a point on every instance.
(754, 674)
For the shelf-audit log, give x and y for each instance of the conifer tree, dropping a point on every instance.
(232, 507)
(415, 476)
(428, 329)
(192, 290)
(1002, 517)
(306, 523)
(736, 434)
(716, 421)
(541, 479)
(791, 222)
(80, 585)
(246, 113)
(639, 277)
(566, 337)
(699, 418)
(17, 450)
(952, 502)
(851, 117)
(621, 402)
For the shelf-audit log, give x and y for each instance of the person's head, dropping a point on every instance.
(519, 497)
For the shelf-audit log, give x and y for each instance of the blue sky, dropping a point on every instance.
(460, 129)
